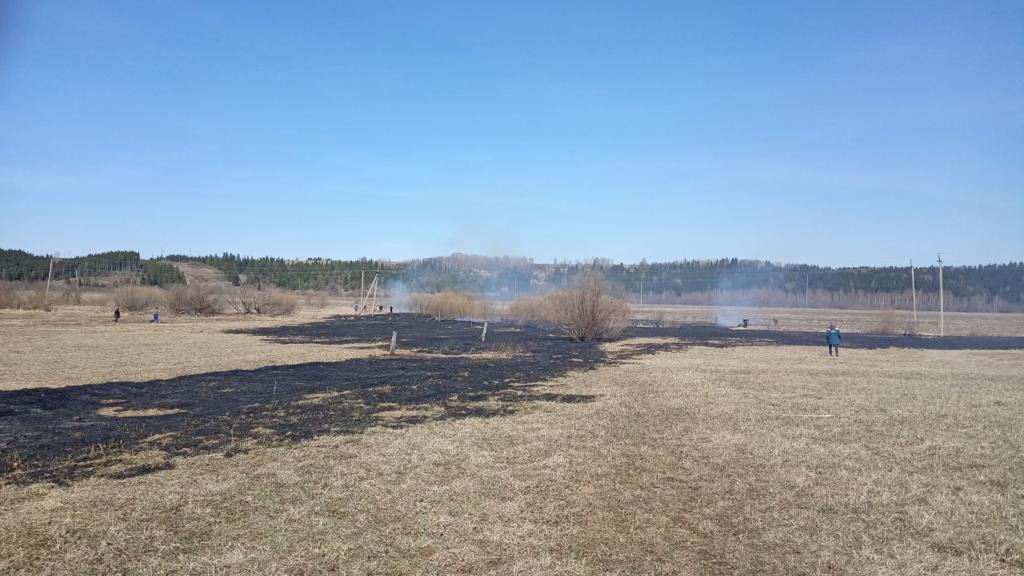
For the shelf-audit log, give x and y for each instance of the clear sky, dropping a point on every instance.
(835, 133)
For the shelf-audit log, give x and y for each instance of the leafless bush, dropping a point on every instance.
(526, 310)
(23, 297)
(248, 299)
(887, 323)
(317, 299)
(36, 299)
(418, 303)
(194, 299)
(255, 299)
(587, 311)
(279, 303)
(451, 305)
(137, 298)
(9, 297)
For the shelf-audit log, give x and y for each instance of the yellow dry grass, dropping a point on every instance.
(82, 345)
(817, 319)
(752, 460)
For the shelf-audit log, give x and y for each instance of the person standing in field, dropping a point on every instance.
(117, 314)
(832, 338)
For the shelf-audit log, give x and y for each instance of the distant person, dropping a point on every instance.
(832, 338)
(156, 316)
(117, 314)
(355, 308)
(391, 309)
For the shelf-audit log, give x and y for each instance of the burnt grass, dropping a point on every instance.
(124, 429)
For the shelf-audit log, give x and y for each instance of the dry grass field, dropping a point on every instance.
(699, 459)
(817, 319)
(82, 345)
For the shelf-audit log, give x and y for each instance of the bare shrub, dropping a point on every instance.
(526, 310)
(279, 303)
(9, 297)
(248, 299)
(24, 297)
(137, 298)
(317, 299)
(587, 311)
(194, 299)
(418, 303)
(35, 300)
(255, 299)
(887, 323)
(910, 329)
(451, 305)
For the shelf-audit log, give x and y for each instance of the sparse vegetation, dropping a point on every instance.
(317, 299)
(452, 305)
(586, 311)
(888, 323)
(193, 299)
(134, 298)
(20, 296)
(254, 298)
(526, 310)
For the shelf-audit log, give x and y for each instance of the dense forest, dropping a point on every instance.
(986, 287)
(18, 265)
(309, 274)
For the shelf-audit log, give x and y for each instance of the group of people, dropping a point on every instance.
(832, 335)
(155, 318)
(378, 309)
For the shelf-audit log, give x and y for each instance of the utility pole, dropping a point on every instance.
(362, 283)
(49, 275)
(641, 288)
(807, 287)
(913, 292)
(942, 307)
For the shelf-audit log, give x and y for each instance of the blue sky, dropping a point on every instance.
(828, 133)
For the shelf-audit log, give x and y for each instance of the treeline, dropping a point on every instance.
(986, 287)
(469, 273)
(21, 266)
(309, 274)
(1002, 281)
(664, 280)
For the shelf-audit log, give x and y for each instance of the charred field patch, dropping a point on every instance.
(128, 428)
(123, 429)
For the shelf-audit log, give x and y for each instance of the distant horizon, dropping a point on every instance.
(923, 264)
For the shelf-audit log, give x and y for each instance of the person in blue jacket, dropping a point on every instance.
(832, 338)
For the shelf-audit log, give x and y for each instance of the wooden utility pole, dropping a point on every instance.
(942, 307)
(913, 292)
(807, 287)
(362, 283)
(49, 275)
